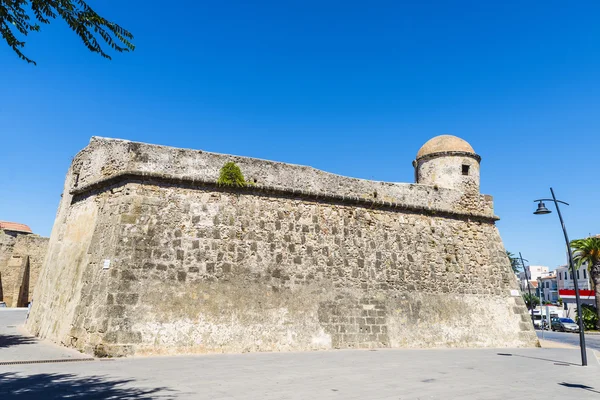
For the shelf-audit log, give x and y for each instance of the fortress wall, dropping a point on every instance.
(105, 161)
(208, 270)
(198, 268)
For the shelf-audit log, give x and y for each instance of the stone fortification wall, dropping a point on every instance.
(7, 242)
(193, 267)
(33, 247)
(21, 259)
(106, 161)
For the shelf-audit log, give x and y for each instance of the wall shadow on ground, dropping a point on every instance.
(60, 386)
(15, 340)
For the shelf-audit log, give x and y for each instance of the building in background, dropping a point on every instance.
(548, 287)
(533, 272)
(566, 288)
(565, 278)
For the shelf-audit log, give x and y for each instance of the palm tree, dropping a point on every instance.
(515, 263)
(587, 251)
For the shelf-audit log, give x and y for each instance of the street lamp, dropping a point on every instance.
(543, 210)
(528, 288)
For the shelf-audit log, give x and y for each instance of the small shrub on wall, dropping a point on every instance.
(231, 175)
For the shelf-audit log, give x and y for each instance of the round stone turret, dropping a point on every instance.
(450, 162)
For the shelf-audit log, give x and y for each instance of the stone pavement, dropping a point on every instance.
(381, 374)
(346, 374)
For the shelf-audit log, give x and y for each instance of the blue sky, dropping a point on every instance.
(352, 88)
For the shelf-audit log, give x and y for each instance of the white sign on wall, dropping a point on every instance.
(106, 264)
(514, 292)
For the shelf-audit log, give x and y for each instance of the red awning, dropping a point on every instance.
(570, 294)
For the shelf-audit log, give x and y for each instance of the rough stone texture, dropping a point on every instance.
(21, 259)
(301, 260)
(447, 172)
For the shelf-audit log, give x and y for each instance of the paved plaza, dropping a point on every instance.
(361, 374)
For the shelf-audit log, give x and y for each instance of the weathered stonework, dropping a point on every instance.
(300, 260)
(21, 259)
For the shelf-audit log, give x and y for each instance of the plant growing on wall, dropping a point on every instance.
(231, 175)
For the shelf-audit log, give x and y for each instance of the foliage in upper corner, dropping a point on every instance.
(231, 175)
(15, 18)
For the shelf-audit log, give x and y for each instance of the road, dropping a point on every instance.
(591, 341)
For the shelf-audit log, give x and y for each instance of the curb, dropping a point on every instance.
(46, 361)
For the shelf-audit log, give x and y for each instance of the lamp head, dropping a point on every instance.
(542, 209)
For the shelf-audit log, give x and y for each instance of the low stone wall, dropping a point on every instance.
(21, 259)
(33, 247)
(7, 243)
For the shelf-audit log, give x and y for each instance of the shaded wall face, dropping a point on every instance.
(199, 270)
(59, 287)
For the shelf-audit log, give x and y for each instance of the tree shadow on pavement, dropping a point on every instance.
(15, 340)
(60, 386)
(578, 386)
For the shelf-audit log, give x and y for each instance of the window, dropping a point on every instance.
(577, 274)
(584, 274)
(465, 169)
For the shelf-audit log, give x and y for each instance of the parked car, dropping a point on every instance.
(564, 325)
(2, 304)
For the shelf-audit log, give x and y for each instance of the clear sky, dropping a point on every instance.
(350, 87)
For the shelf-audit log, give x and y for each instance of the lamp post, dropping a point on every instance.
(539, 290)
(528, 289)
(543, 210)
